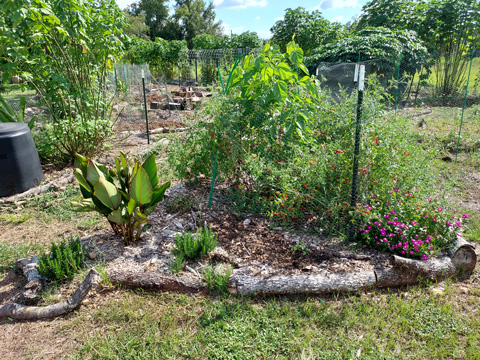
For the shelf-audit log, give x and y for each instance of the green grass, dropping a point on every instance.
(10, 252)
(13, 91)
(380, 326)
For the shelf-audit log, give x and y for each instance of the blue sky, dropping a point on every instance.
(260, 15)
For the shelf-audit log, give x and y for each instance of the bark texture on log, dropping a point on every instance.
(244, 283)
(463, 255)
(22, 312)
(34, 280)
(155, 281)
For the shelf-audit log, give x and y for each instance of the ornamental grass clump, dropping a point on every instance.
(403, 224)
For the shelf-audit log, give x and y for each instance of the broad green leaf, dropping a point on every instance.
(81, 180)
(141, 188)
(266, 47)
(280, 90)
(103, 209)
(283, 71)
(131, 206)
(296, 57)
(93, 173)
(21, 113)
(139, 218)
(116, 217)
(80, 162)
(158, 193)
(267, 73)
(151, 168)
(107, 193)
(85, 205)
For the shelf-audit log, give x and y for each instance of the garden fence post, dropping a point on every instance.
(145, 104)
(464, 101)
(360, 75)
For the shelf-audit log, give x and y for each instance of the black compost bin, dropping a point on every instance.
(20, 167)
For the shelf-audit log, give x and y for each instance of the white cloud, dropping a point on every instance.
(338, 18)
(239, 4)
(335, 4)
(264, 34)
(257, 18)
(227, 30)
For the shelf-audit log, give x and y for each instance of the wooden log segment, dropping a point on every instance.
(242, 282)
(34, 280)
(463, 256)
(151, 280)
(22, 312)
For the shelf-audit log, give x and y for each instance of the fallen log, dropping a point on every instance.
(34, 281)
(463, 255)
(23, 312)
(155, 281)
(402, 271)
(242, 282)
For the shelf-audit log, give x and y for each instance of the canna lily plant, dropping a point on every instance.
(125, 195)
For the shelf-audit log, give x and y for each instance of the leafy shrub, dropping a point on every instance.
(8, 114)
(63, 261)
(60, 140)
(125, 196)
(217, 282)
(403, 224)
(176, 263)
(194, 246)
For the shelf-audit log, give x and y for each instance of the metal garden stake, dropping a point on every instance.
(360, 76)
(145, 104)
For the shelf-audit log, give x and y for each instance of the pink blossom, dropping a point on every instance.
(465, 216)
(396, 190)
(440, 209)
(434, 220)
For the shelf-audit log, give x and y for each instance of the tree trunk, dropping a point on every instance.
(155, 281)
(22, 312)
(463, 256)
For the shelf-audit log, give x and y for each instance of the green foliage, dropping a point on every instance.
(63, 49)
(176, 263)
(135, 25)
(179, 204)
(196, 17)
(217, 282)
(7, 114)
(381, 45)
(63, 261)
(194, 246)
(301, 248)
(286, 148)
(161, 55)
(309, 30)
(155, 13)
(125, 195)
(246, 40)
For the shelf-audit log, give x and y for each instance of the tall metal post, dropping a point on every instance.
(360, 72)
(145, 104)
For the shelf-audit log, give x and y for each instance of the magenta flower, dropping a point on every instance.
(440, 209)
(430, 199)
(377, 242)
(449, 223)
(410, 252)
(424, 257)
(426, 216)
(392, 212)
(386, 216)
(373, 196)
(402, 252)
(414, 222)
(434, 220)
(465, 216)
(396, 190)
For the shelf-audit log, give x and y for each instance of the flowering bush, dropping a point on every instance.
(402, 224)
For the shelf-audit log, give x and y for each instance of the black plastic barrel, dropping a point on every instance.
(20, 167)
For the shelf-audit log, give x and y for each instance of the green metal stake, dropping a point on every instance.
(225, 92)
(398, 82)
(464, 102)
